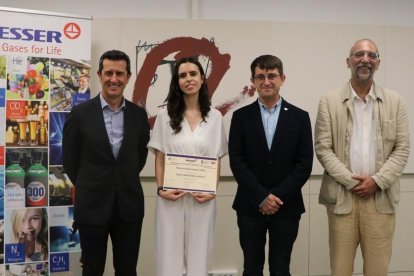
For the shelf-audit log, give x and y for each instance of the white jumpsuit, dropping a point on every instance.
(185, 228)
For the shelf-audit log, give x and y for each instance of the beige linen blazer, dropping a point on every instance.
(333, 132)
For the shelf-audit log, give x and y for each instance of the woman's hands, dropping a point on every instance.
(176, 194)
(202, 197)
(171, 194)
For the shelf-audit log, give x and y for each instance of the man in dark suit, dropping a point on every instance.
(104, 150)
(271, 155)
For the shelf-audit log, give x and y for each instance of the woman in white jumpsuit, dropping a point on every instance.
(184, 221)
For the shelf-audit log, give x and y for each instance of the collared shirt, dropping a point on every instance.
(363, 139)
(270, 117)
(114, 124)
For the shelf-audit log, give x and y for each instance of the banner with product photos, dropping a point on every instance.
(44, 72)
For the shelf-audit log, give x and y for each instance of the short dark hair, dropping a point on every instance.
(267, 62)
(115, 55)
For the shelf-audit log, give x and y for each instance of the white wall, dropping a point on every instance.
(310, 256)
(376, 12)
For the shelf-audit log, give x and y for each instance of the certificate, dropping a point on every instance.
(191, 173)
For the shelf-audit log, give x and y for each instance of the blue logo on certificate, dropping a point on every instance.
(15, 253)
(59, 262)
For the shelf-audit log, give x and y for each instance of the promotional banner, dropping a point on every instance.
(44, 72)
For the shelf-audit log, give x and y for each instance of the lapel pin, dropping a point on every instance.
(285, 108)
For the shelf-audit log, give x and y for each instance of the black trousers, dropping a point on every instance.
(252, 235)
(125, 239)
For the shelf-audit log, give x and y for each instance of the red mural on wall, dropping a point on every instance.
(184, 47)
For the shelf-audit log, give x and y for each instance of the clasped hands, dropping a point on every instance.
(271, 205)
(177, 194)
(366, 186)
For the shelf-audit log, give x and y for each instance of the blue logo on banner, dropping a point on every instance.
(80, 98)
(29, 34)
(15, 253)
(59, 262)
(2, 96)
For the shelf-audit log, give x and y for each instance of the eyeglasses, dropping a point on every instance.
(371, 55)
(262, 77)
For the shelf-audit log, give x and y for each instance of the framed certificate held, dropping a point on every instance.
(191, 173)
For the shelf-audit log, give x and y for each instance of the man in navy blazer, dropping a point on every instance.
(104, 150)
(271, 155)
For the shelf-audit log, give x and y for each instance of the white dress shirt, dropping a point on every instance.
(363, 139)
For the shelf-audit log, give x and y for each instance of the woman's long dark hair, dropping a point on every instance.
(175, 99)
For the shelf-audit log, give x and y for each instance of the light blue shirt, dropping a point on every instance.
(114, 124)
(270, 117)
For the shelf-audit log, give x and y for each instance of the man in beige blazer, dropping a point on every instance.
(362, 141)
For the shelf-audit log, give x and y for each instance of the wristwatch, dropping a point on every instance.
(159, 189)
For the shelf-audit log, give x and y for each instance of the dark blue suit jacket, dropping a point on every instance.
(282, 170)
(104, 183)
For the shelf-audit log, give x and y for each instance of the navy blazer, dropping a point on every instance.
(103, 183)
(282, 170)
